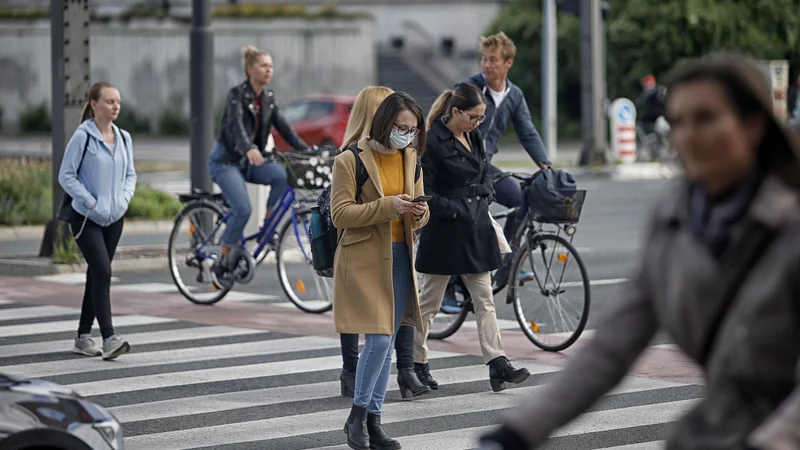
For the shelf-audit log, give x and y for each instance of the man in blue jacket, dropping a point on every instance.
(505, 103)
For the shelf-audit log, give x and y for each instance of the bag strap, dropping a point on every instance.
(83, 155)
(755, 244)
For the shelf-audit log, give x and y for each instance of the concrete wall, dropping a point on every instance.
(148, 60)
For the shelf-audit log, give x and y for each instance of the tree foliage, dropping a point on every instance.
(645, 36)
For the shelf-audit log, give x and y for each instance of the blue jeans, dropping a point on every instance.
(508, 193)
(375, 361)
(231, 179)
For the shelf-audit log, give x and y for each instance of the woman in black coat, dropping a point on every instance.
(459, 238)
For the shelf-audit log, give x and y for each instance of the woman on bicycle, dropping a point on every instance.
(238, 157)
(358, 125)
(374, 286)
(456, 174)
(718, 272)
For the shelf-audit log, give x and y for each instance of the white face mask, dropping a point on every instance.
(398, 140)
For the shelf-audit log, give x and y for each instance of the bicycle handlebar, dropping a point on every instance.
(517, 175)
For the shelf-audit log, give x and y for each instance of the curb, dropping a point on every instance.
(33, 266)
(135, 227)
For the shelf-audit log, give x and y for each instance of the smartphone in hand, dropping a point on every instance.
(421, 198)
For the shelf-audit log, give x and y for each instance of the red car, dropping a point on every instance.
(318, 120)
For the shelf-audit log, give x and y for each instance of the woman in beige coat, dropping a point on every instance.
(358, 126)
(719, 273)
(374, 286)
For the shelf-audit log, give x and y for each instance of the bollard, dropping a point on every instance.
(622, 113)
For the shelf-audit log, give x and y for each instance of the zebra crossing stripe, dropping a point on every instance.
(207, 386)
(72, 325)
(298, 425)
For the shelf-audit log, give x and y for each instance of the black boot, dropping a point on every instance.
(423, 372)
(377, 438)
(347, 379)
(347, 382)
(356, 428)
(409, 383)
(501, 372)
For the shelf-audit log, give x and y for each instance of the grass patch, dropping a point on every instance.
(65, 249)
(151, 203)
(26, 195)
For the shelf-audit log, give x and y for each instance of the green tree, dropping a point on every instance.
(644, 37)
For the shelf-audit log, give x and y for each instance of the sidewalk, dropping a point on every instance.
(27, 240)
(164, 149)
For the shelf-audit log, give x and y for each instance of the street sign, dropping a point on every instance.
(777, 76)
(623, 129)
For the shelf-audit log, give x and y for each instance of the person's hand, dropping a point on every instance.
(545, 165)
(254, 156)
(419, 208)
(402, 204)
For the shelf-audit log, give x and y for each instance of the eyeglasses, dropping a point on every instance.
(474, 119)
(404, 130)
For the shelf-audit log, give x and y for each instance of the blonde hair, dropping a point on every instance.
(507, 48)
(94, 94)
(250, 56)
(363, 111)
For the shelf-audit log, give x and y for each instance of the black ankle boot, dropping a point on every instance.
(347, 383)
(377, 438)
(423, 372)
(501, 372)
(409, 383)
(356, 428)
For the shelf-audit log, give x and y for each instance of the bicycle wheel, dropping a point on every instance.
(309, 291)
(445, 325)
(554, 284)
(190, 263)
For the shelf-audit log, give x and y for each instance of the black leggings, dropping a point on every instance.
(97, 245)
(403, 344)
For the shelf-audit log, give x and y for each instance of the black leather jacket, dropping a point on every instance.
(237, 131)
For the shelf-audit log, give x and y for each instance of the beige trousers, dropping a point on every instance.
(479, 286)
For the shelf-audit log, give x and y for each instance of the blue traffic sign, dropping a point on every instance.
(625, 114)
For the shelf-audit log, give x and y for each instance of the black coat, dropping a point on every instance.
(459, 237)
(238, 127)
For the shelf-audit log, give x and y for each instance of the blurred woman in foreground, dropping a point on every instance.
(719, 273)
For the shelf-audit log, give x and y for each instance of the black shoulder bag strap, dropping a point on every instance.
(83, 155)
(755, 244)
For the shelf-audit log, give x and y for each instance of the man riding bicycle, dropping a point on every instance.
(505, 103)
(238, 156)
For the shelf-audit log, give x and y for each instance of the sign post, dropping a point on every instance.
(623, 130)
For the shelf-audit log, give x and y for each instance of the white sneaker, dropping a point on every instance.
(84, 345)
(114, 346)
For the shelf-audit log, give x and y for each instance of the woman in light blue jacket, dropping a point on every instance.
(98, 173)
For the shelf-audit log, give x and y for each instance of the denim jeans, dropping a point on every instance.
(403, 345)
(231, 179)
(375, 362)
(508, 193)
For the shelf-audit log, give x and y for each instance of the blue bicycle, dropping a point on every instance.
(284, 236)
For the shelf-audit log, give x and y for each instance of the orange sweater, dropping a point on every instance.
(393, 181)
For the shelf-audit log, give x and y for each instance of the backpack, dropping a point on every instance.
(324, 236)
